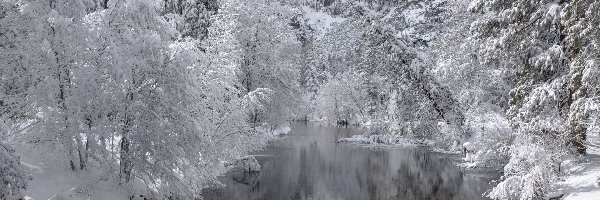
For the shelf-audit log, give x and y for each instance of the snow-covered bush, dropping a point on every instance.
(491, 136)
(535, 158)
(245, 164)
(13, 177)
(386, 139)
(528, 175)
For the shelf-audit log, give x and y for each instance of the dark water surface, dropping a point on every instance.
(309, 164)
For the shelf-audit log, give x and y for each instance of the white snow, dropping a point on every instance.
(321, 22)
(467, 144)
(58, 182)
(52, 183)
(390, 14)
(583, 183)
(280, 130)
(385, 139)
(415, 15)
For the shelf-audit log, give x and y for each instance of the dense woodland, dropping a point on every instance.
(162, 92)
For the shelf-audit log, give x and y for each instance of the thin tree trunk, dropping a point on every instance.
(71, 157)
(125, 153)
(125, 160)
(82, 153)
(64, 82)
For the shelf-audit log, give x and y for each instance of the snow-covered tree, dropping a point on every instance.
(113, 84)
(481, 90)
(537, 42)
(48, 47)
(13, 176)
(192, 18)
(177, 110)
(342, 100)
(583, 39)
(268, 51)
(396, 76)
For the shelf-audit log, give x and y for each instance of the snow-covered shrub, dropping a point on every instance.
(490, 138)
(530, 171)
(270, 130)
(246, 164)
(13, 178)
(448, 135)
(387, 139)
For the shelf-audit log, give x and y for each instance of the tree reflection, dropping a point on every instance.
(315, 167)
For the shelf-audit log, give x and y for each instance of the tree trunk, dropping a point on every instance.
(82, 153)
(63, 76)
(125, 153)
(577, 115)
(578, 133)
(67, 136)
(125, 161)
(71, 156)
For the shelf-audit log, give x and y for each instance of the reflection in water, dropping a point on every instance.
(309, 164)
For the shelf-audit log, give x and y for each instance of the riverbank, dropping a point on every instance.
(583, 181)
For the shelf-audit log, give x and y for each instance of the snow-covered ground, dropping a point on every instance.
(50, 180)
(583, 183)
(58, 184)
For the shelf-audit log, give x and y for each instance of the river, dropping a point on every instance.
(309, 164)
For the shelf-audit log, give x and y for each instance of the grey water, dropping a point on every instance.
(309, 164)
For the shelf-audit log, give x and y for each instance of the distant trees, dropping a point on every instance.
(396, 85)
(342, 99)
(191, 18)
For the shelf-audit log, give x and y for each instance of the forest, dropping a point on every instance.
(155, 98)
